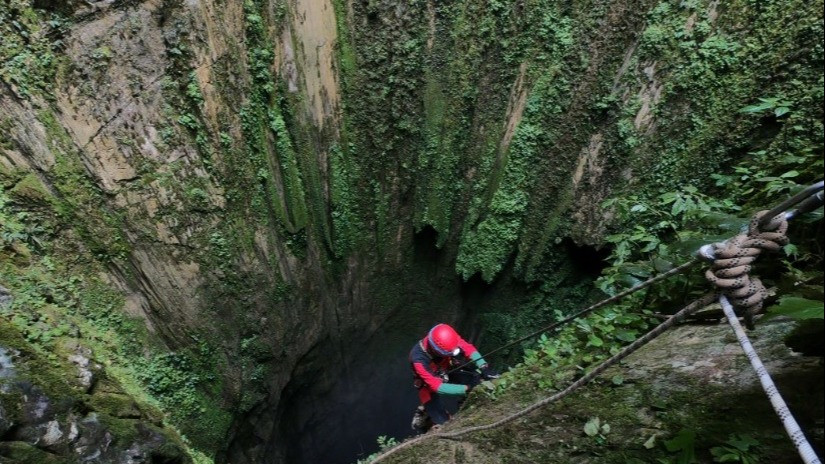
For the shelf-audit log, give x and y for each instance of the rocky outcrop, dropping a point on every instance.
(71, 411)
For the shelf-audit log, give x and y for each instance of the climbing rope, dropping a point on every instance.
(791, 426)
(732, 262)
(696, 305)
(807, 200)
(767, 231)
(729, 272)
(589, 309)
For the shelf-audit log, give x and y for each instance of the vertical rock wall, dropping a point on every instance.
(250, 176)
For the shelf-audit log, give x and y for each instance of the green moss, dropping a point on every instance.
(347, 223)
(293, 184)
(30, 190)
(53, 300)
(117, 405)
(437, 189)
(48, 371)
(29, 57)
(726, 68)
(41, 366)
(426, 92)
(79, 201)
(487, 247)
(346, 55)
(24, 453)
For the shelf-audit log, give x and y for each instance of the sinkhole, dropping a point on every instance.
(352, 387)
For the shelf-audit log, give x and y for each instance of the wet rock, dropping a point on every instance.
(94, 440)
(5, 298)
(36, 406)
(55, 427)
(51, 423)
(53, 434)
(5, 421)
(6, 364)
(85, 368)
(73, 432)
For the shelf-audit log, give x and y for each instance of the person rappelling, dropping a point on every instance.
(438, 373)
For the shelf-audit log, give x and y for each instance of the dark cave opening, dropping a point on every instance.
(425, 245)
(585, 260)
(369, 401)
(334, 416)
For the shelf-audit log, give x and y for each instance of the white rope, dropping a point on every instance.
(805, 450)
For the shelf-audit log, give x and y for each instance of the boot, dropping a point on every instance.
(421, 420)
(418, 418)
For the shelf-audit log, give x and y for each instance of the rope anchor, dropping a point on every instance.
(732, 259)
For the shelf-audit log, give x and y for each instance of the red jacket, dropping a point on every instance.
(428, 368)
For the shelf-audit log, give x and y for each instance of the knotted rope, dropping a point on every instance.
(732, 262)
(729, 272)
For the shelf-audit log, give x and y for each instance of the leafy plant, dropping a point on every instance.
(188, 120)
(28, 58)
(193, 89)
(683, 444)
(779, 106)
(797, 308)
(596, 429)
(384, 443)
(737, 448)
(647, 244)
(576, 346)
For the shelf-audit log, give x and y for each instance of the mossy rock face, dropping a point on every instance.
(693, 379)
(47, 414)
(121, 406)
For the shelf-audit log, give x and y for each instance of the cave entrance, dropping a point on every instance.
(586, 261)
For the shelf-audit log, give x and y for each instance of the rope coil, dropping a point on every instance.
(733, 258)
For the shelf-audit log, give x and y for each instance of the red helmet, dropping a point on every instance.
(444, 340)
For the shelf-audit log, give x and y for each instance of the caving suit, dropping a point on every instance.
(431, 378)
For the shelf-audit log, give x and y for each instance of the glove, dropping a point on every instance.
(487, 373)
